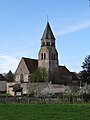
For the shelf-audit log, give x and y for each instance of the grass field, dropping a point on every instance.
(45, 112)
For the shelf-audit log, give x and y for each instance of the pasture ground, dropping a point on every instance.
(45, 112)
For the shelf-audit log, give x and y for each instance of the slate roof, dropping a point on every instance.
(48, 34)
(32, 64)
(2, 78)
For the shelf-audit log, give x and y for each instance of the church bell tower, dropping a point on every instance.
(48, 55)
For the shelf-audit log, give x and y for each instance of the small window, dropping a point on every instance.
(53, 44)
(48, 43)
(41, 56)
(44, 56)
(43, 43)
(29, 76)
(21, 78)
(54, 56)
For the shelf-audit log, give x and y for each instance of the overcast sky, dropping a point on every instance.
(22, 23)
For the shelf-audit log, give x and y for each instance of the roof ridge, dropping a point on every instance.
(29, 58)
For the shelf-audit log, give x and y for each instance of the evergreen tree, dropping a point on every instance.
(9, 76)
(85, 73)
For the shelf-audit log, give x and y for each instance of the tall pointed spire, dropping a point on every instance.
(48, 55)
(48, 34)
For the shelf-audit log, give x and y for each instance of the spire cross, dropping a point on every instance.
(47, 18)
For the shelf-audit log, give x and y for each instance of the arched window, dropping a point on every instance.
(48, 44)
(53, 44)
(29, 76)
(21, 78)
(41, 56)
(54, 56)
(44, 56)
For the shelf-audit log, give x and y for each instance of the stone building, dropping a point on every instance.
(25, 68)
(48, 59)
(3, 84)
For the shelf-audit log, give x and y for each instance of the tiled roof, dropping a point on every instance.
(2, 78)
(75, 76)
(31, 64)
(48, 34)
(64, 70)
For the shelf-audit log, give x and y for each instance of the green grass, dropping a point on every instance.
(45, 112)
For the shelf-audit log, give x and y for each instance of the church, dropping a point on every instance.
(48, 59)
